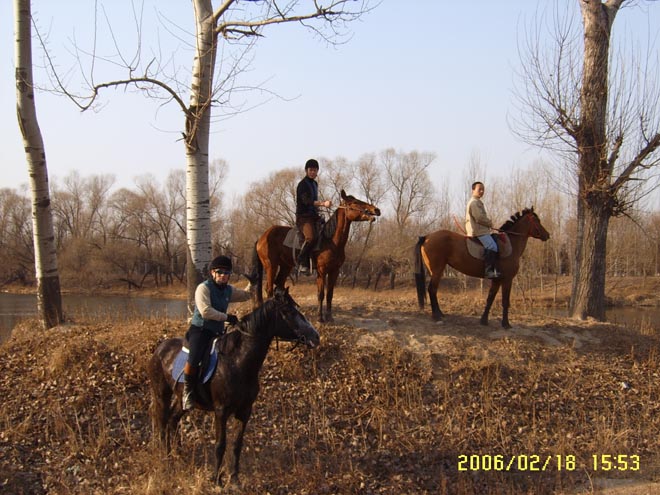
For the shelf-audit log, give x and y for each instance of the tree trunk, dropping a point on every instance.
(588, 294)
(49, 299)
(198, 120)
(595, 198)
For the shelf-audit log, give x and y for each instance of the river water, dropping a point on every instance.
(14, 307)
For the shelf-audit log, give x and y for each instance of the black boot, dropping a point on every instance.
(189, 383)
(490, 259)
(303, 258)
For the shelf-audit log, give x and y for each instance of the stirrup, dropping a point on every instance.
(188, 401)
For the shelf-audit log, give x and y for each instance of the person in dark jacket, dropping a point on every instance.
(212, 298)
(307, 213)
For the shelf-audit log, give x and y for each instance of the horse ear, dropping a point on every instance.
(343, 194)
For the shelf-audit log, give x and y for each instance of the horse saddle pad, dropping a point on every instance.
(293, 238)
(476, 249)
(182, 357)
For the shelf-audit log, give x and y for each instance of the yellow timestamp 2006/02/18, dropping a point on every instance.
(615, 462)
(557, 462)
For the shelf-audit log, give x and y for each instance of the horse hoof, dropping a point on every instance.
(483, 322)
(506, 325)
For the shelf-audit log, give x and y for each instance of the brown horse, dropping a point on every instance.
(278, 261)
(233, 388)
(442, 248)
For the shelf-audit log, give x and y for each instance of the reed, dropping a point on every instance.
(368, 412)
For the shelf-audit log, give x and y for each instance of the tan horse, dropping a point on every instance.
(277, 260)
(444, 247)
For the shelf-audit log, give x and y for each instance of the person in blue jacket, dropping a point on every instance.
(212, 298)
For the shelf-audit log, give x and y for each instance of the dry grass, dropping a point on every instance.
(387, 405)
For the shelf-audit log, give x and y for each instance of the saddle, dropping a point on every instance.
(209, 363)
(295, 239)
(476, 249)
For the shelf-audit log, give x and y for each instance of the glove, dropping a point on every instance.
(232, 319)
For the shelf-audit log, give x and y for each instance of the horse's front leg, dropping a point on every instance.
(494, 287)
(221, 416)
(506, 294)
(238, 444)
(320, 294)
(332, 280)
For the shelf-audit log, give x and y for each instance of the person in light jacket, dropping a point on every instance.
(479, 225)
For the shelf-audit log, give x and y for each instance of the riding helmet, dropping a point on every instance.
(311, 163)
(221, 262)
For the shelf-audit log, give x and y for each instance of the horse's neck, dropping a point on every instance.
(518, 237)
(251, 353)
(340, 237)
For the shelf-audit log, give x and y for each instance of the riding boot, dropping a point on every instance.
(303, 258)
(490, 259)
(189, 383)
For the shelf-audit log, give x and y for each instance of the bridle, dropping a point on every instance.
(280, 315)
(352, 207)
(534, 229)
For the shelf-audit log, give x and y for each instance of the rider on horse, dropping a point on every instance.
(212, 298)
(307, 213)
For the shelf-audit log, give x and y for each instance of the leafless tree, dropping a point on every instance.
(599, 113)
(230, 24)
(45, 259)
(409, 186)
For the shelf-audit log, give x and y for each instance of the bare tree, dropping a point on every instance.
(45, 259)
(409, 185)
(600, 114)
(232, 23)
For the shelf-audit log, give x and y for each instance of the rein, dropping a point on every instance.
(364, 211)
(532, 225)
(278, 314)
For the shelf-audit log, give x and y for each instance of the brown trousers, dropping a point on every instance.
(307, 225)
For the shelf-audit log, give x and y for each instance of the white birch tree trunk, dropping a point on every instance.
(45, 255)
(198, 124)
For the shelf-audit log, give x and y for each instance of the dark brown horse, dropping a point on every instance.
(444, 247)
(234, 387)
(278, 261)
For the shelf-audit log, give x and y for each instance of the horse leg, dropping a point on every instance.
(161, 398)
(238, 443)
(494, 287)
(506, 294)
(221, 417)
(269, 270)
(282, 274)
(436, 312)
(332, 280)
(320, 294)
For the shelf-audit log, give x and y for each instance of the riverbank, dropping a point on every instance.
(549, 291)
(391, 402)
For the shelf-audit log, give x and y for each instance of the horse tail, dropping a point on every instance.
(420, 275)
(257, 271)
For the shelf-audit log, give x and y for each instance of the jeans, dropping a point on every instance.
(488, 242)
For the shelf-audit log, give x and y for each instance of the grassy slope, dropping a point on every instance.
(388, 404)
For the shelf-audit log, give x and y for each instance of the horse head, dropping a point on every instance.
(358, 210)
(536, 229)
(526, 223)
(294, 326)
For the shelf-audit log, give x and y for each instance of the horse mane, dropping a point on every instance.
(509, 224)
(331, 225)
(248, 325)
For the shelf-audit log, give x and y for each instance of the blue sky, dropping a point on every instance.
(427, 75)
